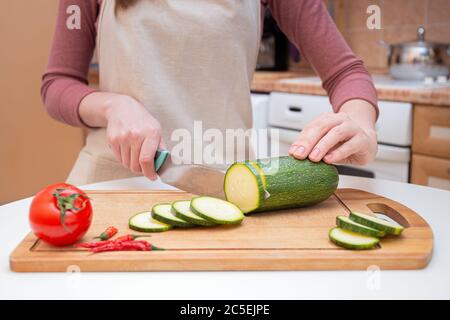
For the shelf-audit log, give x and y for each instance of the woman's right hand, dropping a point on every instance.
(133, 134)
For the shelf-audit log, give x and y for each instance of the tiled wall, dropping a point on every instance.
(399, 22)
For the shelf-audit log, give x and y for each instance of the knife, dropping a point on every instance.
(193, 178)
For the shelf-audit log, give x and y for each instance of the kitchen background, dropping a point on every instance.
(414, 126)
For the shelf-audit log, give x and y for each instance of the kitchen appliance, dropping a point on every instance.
(290, 113)
(274, 47)
(418, 59)
(295, 239)
(193, 178)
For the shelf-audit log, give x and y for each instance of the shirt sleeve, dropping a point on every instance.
(64, 83)
(308, 25)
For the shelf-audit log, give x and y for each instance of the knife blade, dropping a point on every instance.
(193, 178)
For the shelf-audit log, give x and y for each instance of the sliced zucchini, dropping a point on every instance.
(182, 210)
(260, 172)
(347, 224)
(244, 187)
(163, 213)
(144, 222)
(376, 223)
(217, 210)
(352, 240)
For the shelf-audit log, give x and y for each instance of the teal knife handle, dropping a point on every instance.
(160, 158)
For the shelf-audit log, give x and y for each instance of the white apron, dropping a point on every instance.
(184, 60)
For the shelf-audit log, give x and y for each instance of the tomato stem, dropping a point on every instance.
(67, 203)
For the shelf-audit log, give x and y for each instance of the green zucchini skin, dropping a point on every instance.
(139, 228)
(170, 222)
(352, 246)
(212, 219)
(361, 219)
(347, 224)
(291, 183)
(199, 222)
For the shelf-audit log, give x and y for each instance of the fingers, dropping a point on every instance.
(125, 153)
(331, 140)
(345, 151)
(162, 145)
(135, 165)
(115, 147)
(147, 157)
(313, 132)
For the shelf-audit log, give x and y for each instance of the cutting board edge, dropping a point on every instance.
(288, 263)
(195, 260)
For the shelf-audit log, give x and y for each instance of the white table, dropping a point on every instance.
(432, 282)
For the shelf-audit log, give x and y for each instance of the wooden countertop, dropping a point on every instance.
(272, 81)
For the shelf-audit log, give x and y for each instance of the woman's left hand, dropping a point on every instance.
(346, 137)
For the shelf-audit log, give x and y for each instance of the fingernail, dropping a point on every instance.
(299, 151)
(292, 149)
(328, 158)
(315, 153)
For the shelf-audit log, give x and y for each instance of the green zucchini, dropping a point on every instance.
(279, 183)
(346, 223)
(216, 210)
(163, 213)
(376, 223)
(352, 240)
(183, 211)
(143, 222)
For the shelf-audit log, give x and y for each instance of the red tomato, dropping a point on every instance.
(60, 214)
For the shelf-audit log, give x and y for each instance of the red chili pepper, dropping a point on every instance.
(108, 233)
(134, 245)
(128, 237)
(89, 245)
(124, 243)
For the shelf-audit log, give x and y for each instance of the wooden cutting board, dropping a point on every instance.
(295, 239)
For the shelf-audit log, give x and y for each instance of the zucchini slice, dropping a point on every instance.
(347, 224)
(182, 210)
(163, 213)
(217, 210)
(259, 171)
(143, 222)
(244, 187)
(376, 223)
(352, 240)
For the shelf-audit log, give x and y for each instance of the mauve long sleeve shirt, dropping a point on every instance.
(306, 23)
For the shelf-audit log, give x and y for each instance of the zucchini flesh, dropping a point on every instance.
(347, 224)
(259, 171)
(182, 210)
(144, 222)
(217, 210)
(352, 240)
(163, 213)
(279, 183)
(243, 187)
(376, 223)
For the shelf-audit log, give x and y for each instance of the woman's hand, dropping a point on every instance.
(133, 134)
(346, 137)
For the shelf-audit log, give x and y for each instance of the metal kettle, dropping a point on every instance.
(418, 59)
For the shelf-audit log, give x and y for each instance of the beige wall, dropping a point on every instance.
(400, 20)
(34, 150)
